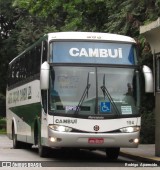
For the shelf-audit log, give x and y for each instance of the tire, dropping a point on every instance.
(112, 153)
(26, 145)
(16, 144)
(42, 150)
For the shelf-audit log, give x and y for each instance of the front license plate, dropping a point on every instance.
(95, 140)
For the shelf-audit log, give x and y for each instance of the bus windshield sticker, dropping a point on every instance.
(105, 107)
(93, 52)
(68, 108)
(126, 110)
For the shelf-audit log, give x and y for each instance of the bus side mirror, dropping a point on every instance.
(148, 77)
(44, 76)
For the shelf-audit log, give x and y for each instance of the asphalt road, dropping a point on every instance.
(57, 158)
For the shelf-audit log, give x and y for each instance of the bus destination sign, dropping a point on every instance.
(92, 52)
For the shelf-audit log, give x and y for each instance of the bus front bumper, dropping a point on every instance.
(92, 140)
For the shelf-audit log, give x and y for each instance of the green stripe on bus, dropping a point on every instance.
(27, 112)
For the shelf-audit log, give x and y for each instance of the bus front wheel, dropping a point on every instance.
(16, 144)
(42, 150)
(112, 153)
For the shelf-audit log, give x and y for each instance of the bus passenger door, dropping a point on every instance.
(44, 131)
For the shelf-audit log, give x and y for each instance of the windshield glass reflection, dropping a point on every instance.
(90, 91)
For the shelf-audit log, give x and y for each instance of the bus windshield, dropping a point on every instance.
(94, 90)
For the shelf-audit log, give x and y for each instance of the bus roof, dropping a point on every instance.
(89, 36)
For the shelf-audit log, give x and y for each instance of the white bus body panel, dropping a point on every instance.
(89, 36)
(105, 125)
(18, 97)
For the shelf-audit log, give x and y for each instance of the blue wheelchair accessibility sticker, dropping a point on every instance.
(105, 107)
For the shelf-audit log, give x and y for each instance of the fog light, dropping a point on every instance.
(52, 139)
(136, 140)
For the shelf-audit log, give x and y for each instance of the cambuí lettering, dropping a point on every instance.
(67, 121)
(96, 52)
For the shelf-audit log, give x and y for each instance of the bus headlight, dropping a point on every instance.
(130, 129)
(60, 128)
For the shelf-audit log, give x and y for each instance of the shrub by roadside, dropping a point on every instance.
(2, 125)
(148, 128)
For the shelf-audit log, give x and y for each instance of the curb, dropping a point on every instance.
(139, 157)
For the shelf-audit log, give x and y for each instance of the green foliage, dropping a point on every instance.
(7, 41)
(2, 125)
(123, 17)
(148, 128)
(70, 16)
(2, 105)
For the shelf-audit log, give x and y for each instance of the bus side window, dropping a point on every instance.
(30, 63)
(34, 63)
(38, 58)
(12, 74)
(44, 56)
(9, 76)
(44, 100)
(16, 73)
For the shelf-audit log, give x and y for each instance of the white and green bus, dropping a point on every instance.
(76, 90)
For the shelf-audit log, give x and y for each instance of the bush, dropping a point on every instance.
(2, 105)
(147, 119)
(2, 125)
(148, 128)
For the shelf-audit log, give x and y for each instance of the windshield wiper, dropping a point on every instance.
(83, 96)
(106, 93)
